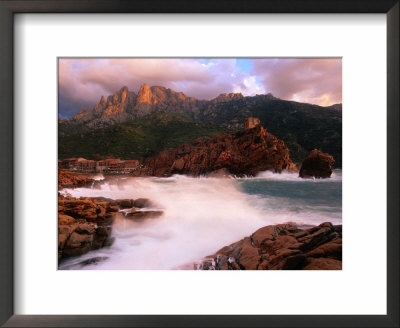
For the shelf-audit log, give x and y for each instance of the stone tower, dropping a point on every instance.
(251, 122)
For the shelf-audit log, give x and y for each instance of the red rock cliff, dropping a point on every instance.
(242, 153)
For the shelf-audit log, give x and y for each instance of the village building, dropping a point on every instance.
(108, 165)
(86, 165)
(68, 163)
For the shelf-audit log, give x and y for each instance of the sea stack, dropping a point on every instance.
(317, 165)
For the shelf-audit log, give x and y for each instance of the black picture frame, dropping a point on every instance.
(10, 7)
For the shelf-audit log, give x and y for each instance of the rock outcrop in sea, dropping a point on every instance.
(281, 247)
(84, 224)
(68, 180)
(317, 165)
(242, 153)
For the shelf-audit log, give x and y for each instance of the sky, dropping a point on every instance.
(82, 81)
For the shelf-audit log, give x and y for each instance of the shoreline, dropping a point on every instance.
(85, 230)
(281, 247)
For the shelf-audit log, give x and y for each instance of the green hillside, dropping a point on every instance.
(135, 139)
(303, 127)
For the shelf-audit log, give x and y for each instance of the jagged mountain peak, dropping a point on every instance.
(224, 97)
(144, 88)
(125, 104)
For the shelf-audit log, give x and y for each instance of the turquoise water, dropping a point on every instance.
(309, 201)
(305, 201)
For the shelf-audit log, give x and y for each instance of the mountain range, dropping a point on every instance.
(138, 125)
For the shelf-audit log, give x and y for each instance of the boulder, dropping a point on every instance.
(84, 224)
(317, 165)
(77, 244)
(101, 236)
(281, 247)
(142, 202)
(124, 203)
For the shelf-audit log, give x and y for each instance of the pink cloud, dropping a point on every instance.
(83, 81)
(312, 80)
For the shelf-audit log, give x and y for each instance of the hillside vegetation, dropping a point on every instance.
(303, 127)
(137, 139)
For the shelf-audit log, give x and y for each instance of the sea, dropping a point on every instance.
(202, 215)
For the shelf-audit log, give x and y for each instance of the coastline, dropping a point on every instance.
(281, 247)
(92, 232)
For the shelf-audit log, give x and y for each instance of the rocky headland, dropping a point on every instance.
(73, 180)
(244, 153)
(85, 223)
(281, 247)
(317, 165)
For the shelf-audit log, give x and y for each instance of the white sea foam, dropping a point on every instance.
(201, 215)
(294, 176)
(98, 177)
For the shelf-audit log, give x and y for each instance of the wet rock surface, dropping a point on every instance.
(140, 215)
(281, 247)
(72, 180)
(142, 202)
(317, 165)
(94, 260)
(85, 223)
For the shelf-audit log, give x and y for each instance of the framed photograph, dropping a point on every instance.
(147, 144)
(152, 179)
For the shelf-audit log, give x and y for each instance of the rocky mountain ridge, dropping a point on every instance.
(125, 105)
(301, 126)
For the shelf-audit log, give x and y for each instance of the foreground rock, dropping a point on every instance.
(141, 215)
(85, 223)
(281, 247)
(242, 153)
(317, 165)
(68, 179)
